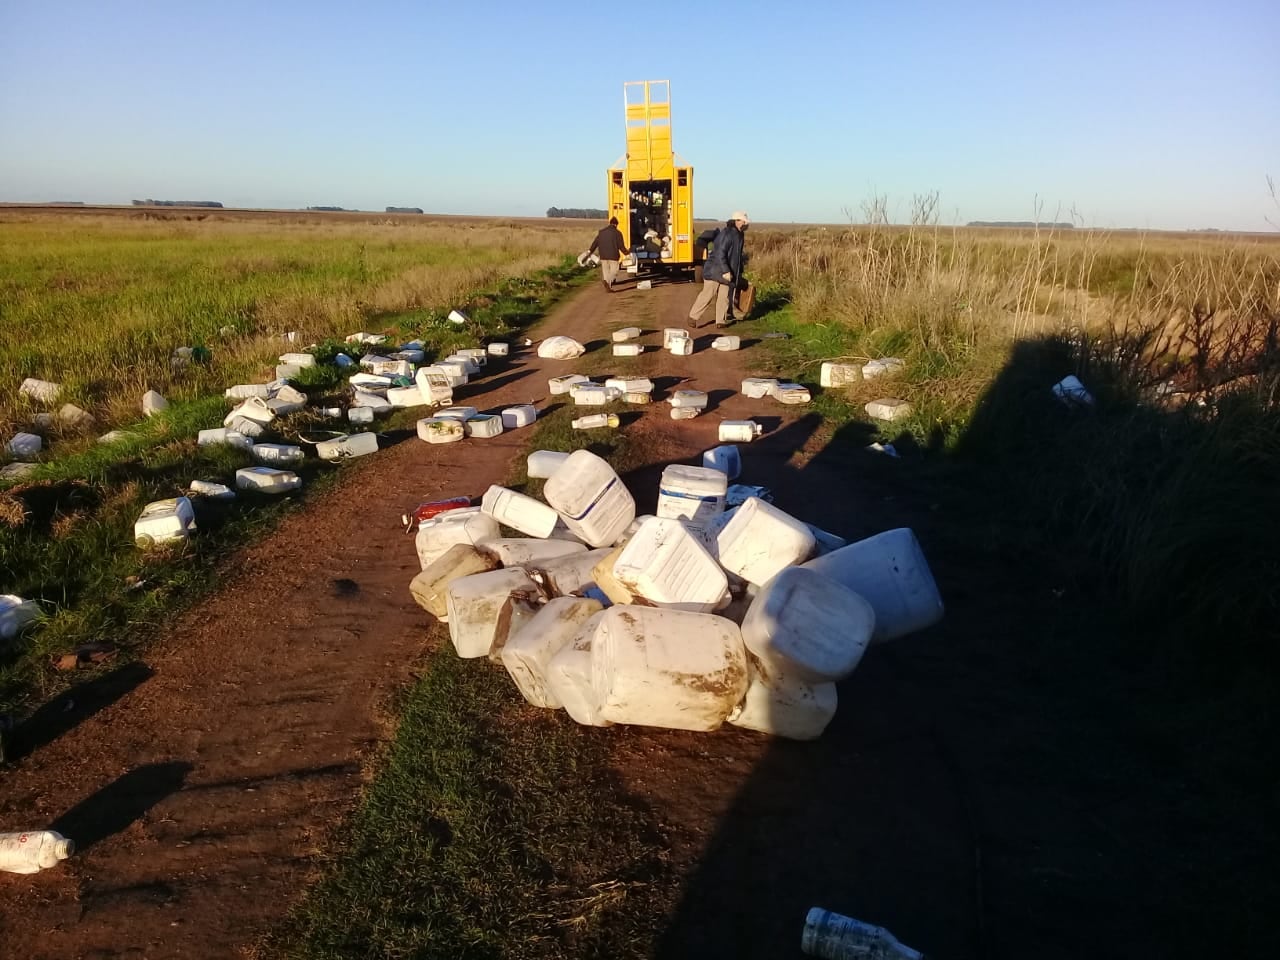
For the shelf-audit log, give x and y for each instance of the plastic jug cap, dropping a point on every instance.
(63, 849)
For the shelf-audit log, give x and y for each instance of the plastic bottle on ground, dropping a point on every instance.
(833, 936)
(33, 851)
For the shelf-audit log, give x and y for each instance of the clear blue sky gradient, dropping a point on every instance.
(1161, 115)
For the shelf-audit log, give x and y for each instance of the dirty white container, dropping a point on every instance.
(726, 343)
(456, 370)
(276, 453)
(891, 572)
(784, 706)
(211, 490)
(792, 393)
(630, 384)
(692, 494)
(885, 367)
(681, 346)
(302, 360)
(243, 426)
(33, 851)
(16, 614)
(290, 395)
(470, 366)
(521, 415)
(519, 512)
(282, 407)
(637, 396)
(371, 360)
(435, 387)
(252, 408)
(243, 391)
(436, 535)
(344, 448)
(628, 349)
(739, 431)
(498, 349)
(527, 654)
(440, 430)
(672, 333)
(45, 391)
(24, 446)
(451, 374)
(457, 316)
(483, 426)
(726, 460)
(360, 414)
(559, 385)
(666, 563)
(695, 399)
(756, 388)
(760, 540)
(267, 480)
(808, 626)
(286, 371)
(568, 676)
(560, 348)
(602, 574)
(567, 574)
(406, 397)
(594, 421)
(483, 608)
(520, 551)
(370, 338)
(593, 500)
(590, 395)
(836, 374)
(888, 408)
(370, 382)
(685, 413)
(430, 588)
(153, 403)
(478, 354)
(626, 333)
(667, 668)
(458, 413)
(543, 463)
(162, 521)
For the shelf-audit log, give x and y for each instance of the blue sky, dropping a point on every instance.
(1134, 114)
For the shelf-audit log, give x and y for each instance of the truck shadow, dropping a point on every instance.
(120, 803)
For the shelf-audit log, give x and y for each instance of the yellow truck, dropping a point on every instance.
(651, 187)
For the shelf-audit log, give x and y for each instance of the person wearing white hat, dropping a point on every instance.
(721, 271)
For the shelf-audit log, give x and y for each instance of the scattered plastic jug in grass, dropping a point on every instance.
(483, 426)
(792, 393)
(437, 534)
(251, 408)
(784, 706)
(527, 653)
(637, 396)
(521, 415)
(835, 374)
(276, 453)
(756, 388)
(267, 480)
(33, 851)
(562, 576)
(407, 397)
(153, 403)
(568, 676)
(457, 316)
(541, 464)
(523, 551)
(440, 430)
(693, 494)
(243, 391)
(739, 431)
(518, 511)
(626, 333)
(360, 415)
(564, 384)
(681, 346)
(211, 490)
(163, 521)
(726, 343)
(593, 500)
(726, 459)
(665, 563)
(596, 421)
(590, 395)
(484, 607)
(673, 333)
(761, 540)
(498, 349)
(667, 668)
(560, 348)
(628, 349)
(430, 588)
(887, 366)
(888, 408)
(345, 448)
(833, 936)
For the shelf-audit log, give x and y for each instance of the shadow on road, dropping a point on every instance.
(117, 805)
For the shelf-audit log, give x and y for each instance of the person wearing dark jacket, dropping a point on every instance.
(721, 270)
(611, 248)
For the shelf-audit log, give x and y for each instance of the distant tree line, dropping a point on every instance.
(176, 203)
(1020, 223)
(404, 209)
(328, 209)
(577, 213)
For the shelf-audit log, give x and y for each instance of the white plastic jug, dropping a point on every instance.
(626, 333)
(373, 382)
(630, 384)
(590, 395)
(430, 588)
(276, 453)
(667, 668)
(595, 421)
(725, 459)
(888, 408)
(153, 403)
(561, 576)
(371, 360)
(470, 365)
(219, 435)
(696, 399)
(885, 367)
(808, 626)
(407, 397)
(593, 500)
(214, 491)
(344, 448)
(440, 430)
(681, 346)
(783, 706)
(522, 551)
(792, 393)
(637, 396)
(468, 525)
(282, 408)
(267, 480)
(833, 936)
(559, 385)
(33, 851)
(527, 654)
(835, 374)
(891, 572)
(45, 391)
(628, 349)
(252, 408)
(726, 343)
(568, 676)
(483, 426)
(302, 360)
(249, 429)
(478, 354)
(360, 415)
(666, 563)
(163, 521)
(521, 415)
(755, 388)
(673, 333)
(543, 463)
(692, 494)
(739, 431)
(484, 606)
(243, 391)
(457, 316)
(760, 540)
(685, 413)
(519, 512)
(498, 349)
(560, 348)
(458, 413)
